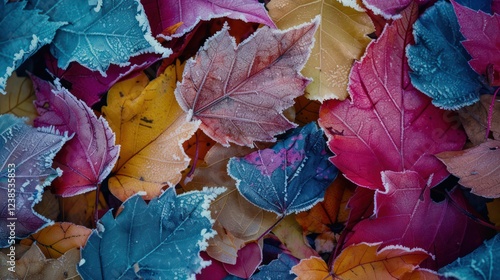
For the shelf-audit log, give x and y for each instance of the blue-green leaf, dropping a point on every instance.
(290, 177)
(477, 5)
(482, 263)
(26, 155)
(99, 33)
(159, 240)
(440, 62)
(278, 269)
(23, 32)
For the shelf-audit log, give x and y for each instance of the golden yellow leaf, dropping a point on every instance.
(237, 221)
(19, 98)
(340, 39)
(57, 239)
(150, 127)
(366, 261)
(34, 266)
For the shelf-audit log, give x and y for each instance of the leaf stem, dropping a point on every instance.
(96, 210)
(270, 228)
(195, 160)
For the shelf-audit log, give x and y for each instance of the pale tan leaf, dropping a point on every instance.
(19, 98)
(341, 38)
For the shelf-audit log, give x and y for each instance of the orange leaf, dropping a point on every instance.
(19, 98)
(150, 127)
(57, 239)
(494, 211)
(365, 261)
(79, 209)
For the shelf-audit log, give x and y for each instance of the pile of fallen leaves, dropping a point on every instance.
(236, 139)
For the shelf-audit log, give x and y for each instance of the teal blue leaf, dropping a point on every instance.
(158, 240)
(99, 34)
(482, 263)
(26, 155)
(290, 177)
(440, 62)
(476, 5)
(279, 269)
(23, 32)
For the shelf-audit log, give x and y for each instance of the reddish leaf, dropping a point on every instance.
(478, 168)
(239, 92)
(163, 14)
(406, 215)
(87, 158)
(390, 8)
(89, 85)
(388, 125)
(213, 271)
(482, 34)
(249, 258)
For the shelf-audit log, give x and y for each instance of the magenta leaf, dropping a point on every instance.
(90, 86)
(26, 155)
(482, 34)
(390, 9)
(239, 92)
(388, 124)
(249, 258)
(406, 208)
(87, 158)
(164, 14)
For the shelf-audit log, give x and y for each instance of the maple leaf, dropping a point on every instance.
(57, 239)
(390, 9)
(163, 14)
(440, 63)
(290, 177)
(477, 168)
(24, 32)
(239, 92)
(406, 208)
(100, 33)
(34, 265)
(341, 38)
(19, 98)
(366, 261)
(482, 46)
(151, 127)
(388, 124)
(480, 264)
(87, 158)
(26, 157)
(178, 227)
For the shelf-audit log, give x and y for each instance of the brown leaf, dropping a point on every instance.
(80, 209)
(34, 266)
(478, 168)
(474, 118)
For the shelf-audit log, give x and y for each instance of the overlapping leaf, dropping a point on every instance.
(388, 125)
(151, 127)
(390, 9)
(163, 14)
(23, 33)
(342, 37)
(366, 261)
(26, 159)
(415, 220)
(87, 158)
(34, 265)
(477, 5)
(478, 168)
(249, 258)
(177, 229)
(440, 62)
(483, 46)
(480, 264)
(239, 92)
(99, 33)
(475, 119)
(278, 269)
(290, 177)
(19, 98)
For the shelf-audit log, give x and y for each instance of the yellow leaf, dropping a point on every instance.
(57, 239)
(341, 38)
(365, 261)
(291, 235)
(34, 266)
(19, 98)
(150, 127)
